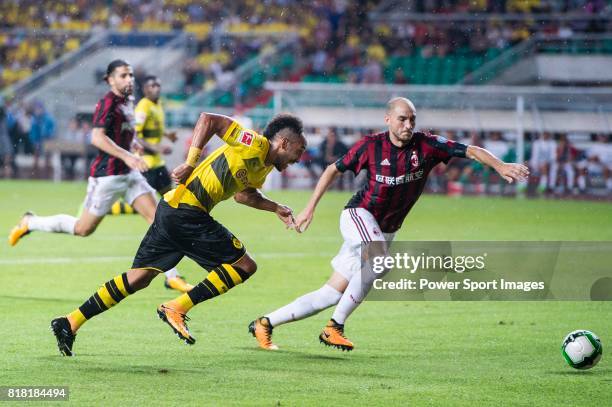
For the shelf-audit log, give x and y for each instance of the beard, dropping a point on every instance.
(127, 91)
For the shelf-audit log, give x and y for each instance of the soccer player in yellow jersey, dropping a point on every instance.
(183, 225)
(150, 130)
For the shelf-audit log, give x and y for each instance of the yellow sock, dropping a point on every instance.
(127, 208)
(76, 319)
(120, 207)
(181, 303)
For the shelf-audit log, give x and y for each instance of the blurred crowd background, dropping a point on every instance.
(433, 42)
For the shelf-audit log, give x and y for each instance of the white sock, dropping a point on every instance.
(353, 296)
(173, 272)
(54, 224)
(305, 306)
(543, 181)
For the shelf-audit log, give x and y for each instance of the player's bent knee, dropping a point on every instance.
(246, 264)
(141, 278)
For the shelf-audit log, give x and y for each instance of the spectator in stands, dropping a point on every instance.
(596, 166)
(565, 164)
(76, 134)
(330, 150)
(475, 172)
(19, 124)
(41, 130)
(6, 147)
(543, 158)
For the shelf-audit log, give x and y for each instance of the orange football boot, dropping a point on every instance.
(176, 320)
(178, 283)
(262, 331)
(20, 230)
(333, 335)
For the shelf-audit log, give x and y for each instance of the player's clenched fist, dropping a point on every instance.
(181, 173)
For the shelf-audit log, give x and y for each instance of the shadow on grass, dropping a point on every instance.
(249, 359)
(575, 372)
(37, 299)
(284, 353)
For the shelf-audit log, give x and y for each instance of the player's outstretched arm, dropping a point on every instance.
(327, 178)
(208, 124)
(509, 171)
(255, 199)
(100, 140)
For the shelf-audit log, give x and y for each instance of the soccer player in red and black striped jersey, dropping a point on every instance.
(114, 173)
(397, 163)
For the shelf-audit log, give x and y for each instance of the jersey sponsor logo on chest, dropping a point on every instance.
(243, 176)
(246, 138)
(402, 179)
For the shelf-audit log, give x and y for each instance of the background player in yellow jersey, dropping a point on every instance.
(183, 225)
(150, 130)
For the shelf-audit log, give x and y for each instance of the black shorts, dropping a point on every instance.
(186, 232)
(159, 179)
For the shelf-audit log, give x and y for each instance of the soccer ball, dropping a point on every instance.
(581, 349)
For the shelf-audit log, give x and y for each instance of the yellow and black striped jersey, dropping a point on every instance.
(238, 165)
(150, 126)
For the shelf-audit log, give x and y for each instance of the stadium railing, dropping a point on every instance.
(539, 44)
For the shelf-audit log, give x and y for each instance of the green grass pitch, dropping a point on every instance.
(407, 353)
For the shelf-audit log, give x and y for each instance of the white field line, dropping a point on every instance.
(108, 259)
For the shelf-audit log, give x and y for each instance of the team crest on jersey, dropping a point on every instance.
(237, 243)
(246, 138)
(414, 159)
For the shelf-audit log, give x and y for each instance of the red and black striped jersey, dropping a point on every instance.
(115, 114)
(396, 176)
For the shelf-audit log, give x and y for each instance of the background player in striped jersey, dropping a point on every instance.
(397, 164)
(183, 225)
(114, 173)
(150, 130)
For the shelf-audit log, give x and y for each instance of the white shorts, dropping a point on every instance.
(357, 225)
(103, 192)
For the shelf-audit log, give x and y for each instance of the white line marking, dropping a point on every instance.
(108, 259)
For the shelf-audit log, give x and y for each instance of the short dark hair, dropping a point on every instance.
(283, 121)
(150, 78)
(114, 65)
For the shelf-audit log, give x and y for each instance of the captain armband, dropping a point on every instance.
(193, 156)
